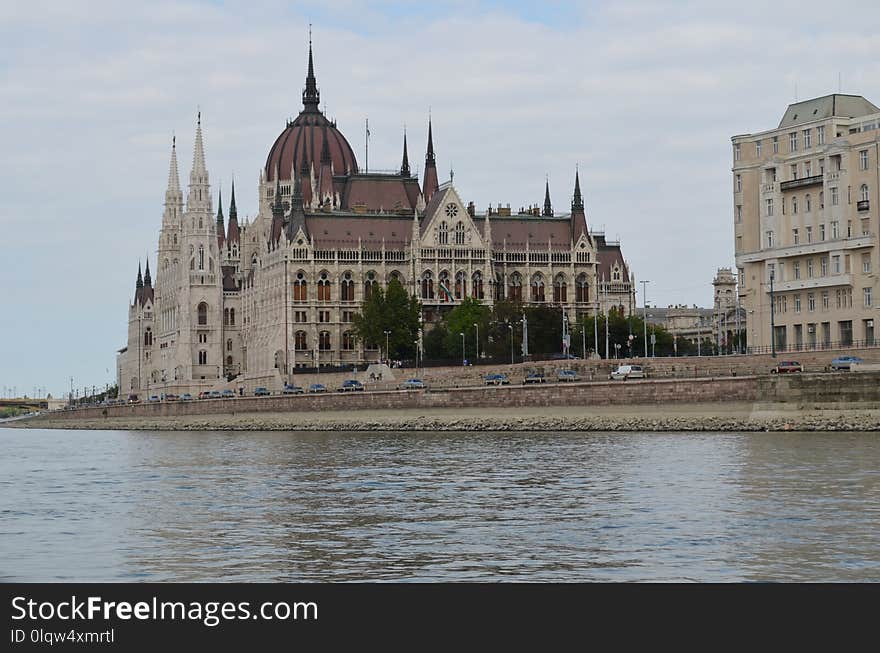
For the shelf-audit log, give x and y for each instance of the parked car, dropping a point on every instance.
(567, 375)
(351, 385)
(260, 391)
(845, 362)
(171, 397)
(290, 389)
(133, 399)
(496, 379)
(787, 367)
(227, 394)
(624, 372)
(153, 399)
(413, 384)
(204, 394)
(317, 387)
(534, 377)
(215, 394)
(186, 397)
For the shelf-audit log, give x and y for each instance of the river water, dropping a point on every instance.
(276, 506)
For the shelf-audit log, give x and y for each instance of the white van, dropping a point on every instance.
(624, 372)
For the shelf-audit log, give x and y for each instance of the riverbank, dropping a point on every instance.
(743, 416)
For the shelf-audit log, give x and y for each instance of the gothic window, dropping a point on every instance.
(477, 285)
(347, 287)
(459, 233)
(323, 288)
(232, 317)
(581, 290)
(616, 273)
(537, 288)
(460, 285)
(203, 357)
(148, 337)
(498, 288)
(324, 341)
(443, 236)
(300, 288)
(225, 317)
(369, 285)
(201, 257)
(514, 291)
(443, 286)
(427, 285)
(560, 289)
(299, 341)
(229, 361)
(451, 210)
(229, 345)
(347, 340)
(175, 239)
(203, 313)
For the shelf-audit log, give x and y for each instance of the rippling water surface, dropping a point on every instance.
(225, 506)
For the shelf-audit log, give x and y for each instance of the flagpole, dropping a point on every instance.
(367, 147)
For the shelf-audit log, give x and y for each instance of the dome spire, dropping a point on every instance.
(404, 167)
(548, 207)
(311, 96)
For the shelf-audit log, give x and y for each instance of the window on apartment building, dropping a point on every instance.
(776, 145)
(797, 303)
(792, 142)
(846, 267)
(769, 239)
(785, 304)
(808, 169)
(823, 265)
(849, 231)
(739, 213)
(809, 268)
(835, 264)
(736, 152)
(794, 171)
(768, 203)
(781, 274)
(809, 231)
(821, 232)
(797, 269)
(835, 230)
(826, 303)
(820, 135)
(795, 238)
(794, 205)
(757, 148)
(772, 174)
(739, 243)
(849, 194)
(808, 203)
(866, 263)
(739, 183)
(868, 299)
(811, 302)
(821, 199)
(863, 193)
(863, 159)
(835, 196)
(808, 138)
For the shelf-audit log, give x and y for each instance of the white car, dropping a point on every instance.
(624, 372)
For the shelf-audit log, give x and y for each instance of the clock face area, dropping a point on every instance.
(451, 210)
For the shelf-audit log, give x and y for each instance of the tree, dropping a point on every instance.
(461, 319)
(435, 343)
(393, 310)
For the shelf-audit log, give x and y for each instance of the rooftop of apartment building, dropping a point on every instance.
(835, 105)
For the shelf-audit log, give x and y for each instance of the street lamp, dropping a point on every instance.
(462, 348)
(510, 326)
(477, 327)
(772, 318)
(387, 353)
(645, 313)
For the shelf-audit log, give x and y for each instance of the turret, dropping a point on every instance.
(548, 207)
(429, 184)
(233, 236)
(404, 166)
(578, 217)
(221, 227)
(173, 196)
(199, 191)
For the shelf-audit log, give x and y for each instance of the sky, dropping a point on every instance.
(641, 97)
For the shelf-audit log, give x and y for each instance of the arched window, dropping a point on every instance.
(863, 193)
(443, 287)
(514, 288)
(560, 289)
(347, 288)
(498, 288)
(323, 288)
(427, 285)
(232, 317)
(443, 235)
(225, 317)
(459, 233)
(229, 344)
(347, 340)
(192, 264)
(300, 288)
(201, 257)
(324, 340)
(369, 285)
(460, 285)
(477, 285)
(537, 288)
(202, 313)
(299, 341)
(581, 289)
(615, 274)
(203, 357)
(148, 337)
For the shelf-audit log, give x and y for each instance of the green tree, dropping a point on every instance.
(392, 310)
(434, 342)
(461, 319)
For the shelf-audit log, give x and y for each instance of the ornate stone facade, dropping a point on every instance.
(248, 303)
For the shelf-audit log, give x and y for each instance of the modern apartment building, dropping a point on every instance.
(805, 214)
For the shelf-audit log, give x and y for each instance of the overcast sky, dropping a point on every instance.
(643, 96)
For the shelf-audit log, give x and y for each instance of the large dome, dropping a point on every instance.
(306, 133)
(303, 139)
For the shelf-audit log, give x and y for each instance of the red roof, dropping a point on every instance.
(306, 133)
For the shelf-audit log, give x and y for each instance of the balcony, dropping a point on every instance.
(803, 249)
(809, 284)
(815, 180)
(863, 205)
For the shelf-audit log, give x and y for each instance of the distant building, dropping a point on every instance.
(805, 207)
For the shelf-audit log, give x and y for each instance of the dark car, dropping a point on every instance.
(317, 387)
(351, 385)
(186, 397)
(290, 389)
(845, 362)
(496, 379)
(227, 394)
(787, 367)
(534, 377)
(261, 392)
(413, 384)
(567, 375)
(133, 399)
(153, 399)
(171, 397)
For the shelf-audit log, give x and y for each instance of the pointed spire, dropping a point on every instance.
(577, 202)
(140, 280)
(548, 207)
(233, 213)
(148, 280)
(199, 150)
(429, 158)
(173, 176)
(198, 197)
(404, 167)
(221, 227)
(311, 97)
(578, 217)
(277, 206)
(429, 183)
(232, 234)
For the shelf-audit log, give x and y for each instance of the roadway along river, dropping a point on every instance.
(117, 505)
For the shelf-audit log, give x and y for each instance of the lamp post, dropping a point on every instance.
(772, 318)
(387, 353)
(645, 313)
(510, 326)
(462, 348)
(584, 339)
(477, 327)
